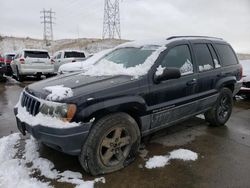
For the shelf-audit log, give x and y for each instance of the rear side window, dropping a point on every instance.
(179, 57)
(35, 54)
(203, 57)
(226, 54)
(74, 54)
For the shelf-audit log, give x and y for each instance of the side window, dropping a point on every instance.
(178, 57)
(214, 56)
(226, 54)
(203, 57)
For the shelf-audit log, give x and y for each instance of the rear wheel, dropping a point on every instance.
(111, 145)
(221, 112)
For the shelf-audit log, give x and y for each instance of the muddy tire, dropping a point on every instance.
(221, 112)
(111, 145)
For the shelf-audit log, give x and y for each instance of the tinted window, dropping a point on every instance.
(203, 57)
(74, 54)
(9, 57)
(179, 57)
(59, 55)
(215, 57)
(226, 54)
(36, 54)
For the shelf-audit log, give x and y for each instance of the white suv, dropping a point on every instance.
(68, 56)
(32, 62)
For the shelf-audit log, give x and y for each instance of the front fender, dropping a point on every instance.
(113, 103)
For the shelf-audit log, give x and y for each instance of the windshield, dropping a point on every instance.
(128, 57)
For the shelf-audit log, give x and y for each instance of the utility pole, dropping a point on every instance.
(47, 17)
(111, 20)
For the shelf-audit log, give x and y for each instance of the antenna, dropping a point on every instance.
(47, 17)
(111, 20)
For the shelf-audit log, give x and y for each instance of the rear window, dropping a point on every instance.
(9, 57)
(36, 54)
(74, 54)
(226, 54)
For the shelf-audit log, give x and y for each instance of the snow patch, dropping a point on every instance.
(161, 161)
(205, 67)
(15, 172)
(187, 68)
(159, 70)
(58, 92)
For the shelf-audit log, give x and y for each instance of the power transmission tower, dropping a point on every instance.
(111, 21)
(47, 17)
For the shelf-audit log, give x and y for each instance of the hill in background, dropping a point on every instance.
(91, 45)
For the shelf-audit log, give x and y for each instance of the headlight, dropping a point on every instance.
(62, 111)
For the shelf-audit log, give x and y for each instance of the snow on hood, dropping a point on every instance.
(107, 68)
(22, 172)
(58, 92)
(83, 65)
(246, 70)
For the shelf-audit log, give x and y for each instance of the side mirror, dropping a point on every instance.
(168, 74)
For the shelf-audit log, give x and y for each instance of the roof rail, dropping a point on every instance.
(174, 37)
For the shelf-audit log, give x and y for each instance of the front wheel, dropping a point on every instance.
(222, 110)
(111, 145)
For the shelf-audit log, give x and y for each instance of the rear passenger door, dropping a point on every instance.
(208, 68)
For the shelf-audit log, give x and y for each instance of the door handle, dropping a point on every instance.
(192, 82)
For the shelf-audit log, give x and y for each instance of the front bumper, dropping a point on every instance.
(68, 140)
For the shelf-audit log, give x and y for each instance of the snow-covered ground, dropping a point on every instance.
(163, 160)
(16, 171)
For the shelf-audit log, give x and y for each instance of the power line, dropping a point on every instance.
(111, 20)
(47, 17)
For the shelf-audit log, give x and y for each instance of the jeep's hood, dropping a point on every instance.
(80, 84)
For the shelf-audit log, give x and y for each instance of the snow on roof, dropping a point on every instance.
(37, 50)
(10, 53)
(141, 43)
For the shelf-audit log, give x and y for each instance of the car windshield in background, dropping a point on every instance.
(74, 54)
(130, 56)
(36, 54)
(9, 57)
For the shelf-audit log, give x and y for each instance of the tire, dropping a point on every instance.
(2, 78)
(222, 110)
(19, 77)
(111, 144)
(38, 76)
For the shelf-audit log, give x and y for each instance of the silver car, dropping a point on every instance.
(32, 62)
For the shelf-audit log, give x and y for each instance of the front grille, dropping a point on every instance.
(31, 104)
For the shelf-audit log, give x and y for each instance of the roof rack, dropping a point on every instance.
(174, 37)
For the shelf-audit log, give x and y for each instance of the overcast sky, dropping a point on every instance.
(140, 19)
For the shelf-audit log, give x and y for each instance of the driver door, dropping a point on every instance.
(173, 99)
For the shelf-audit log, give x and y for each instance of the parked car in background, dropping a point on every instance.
(32, 62)
(245, 89)
(82, 65)
(68, 56)
(8, 57)
(2, 68)
(135, 90)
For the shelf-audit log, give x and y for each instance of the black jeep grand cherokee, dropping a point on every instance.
(151, 85)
